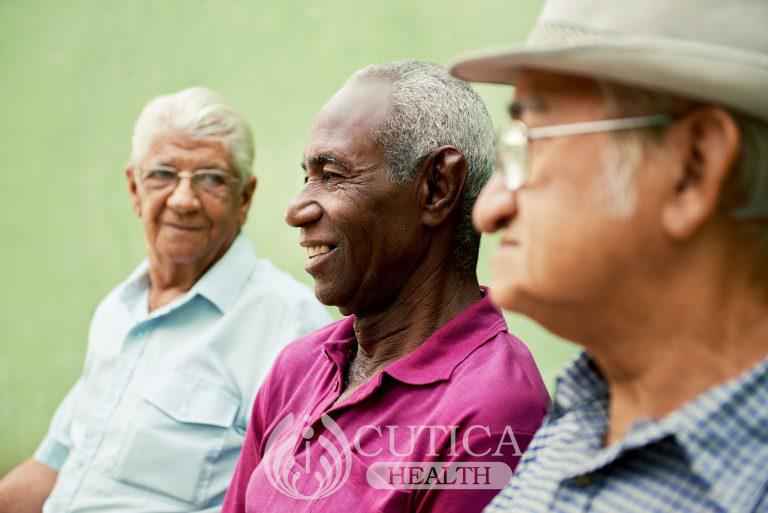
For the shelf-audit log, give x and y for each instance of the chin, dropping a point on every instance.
(182, 254)
(507, 295)
(329, 295)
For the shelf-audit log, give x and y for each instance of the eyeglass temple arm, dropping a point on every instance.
(603, 125)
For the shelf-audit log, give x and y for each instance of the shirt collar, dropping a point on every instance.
(436, 359)
(579, 384)
(221, 284)
(723, 433)
(440, 354)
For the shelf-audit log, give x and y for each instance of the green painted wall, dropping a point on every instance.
(74, 75)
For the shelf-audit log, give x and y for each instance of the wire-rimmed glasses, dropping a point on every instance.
(213, 182)
(513, 141)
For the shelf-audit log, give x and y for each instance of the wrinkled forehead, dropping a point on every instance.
(179, 150)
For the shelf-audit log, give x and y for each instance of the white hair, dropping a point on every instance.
(200, 114)
(613, 187)
(430, 108)
(745, 196)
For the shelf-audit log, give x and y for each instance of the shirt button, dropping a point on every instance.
(335, 386)
(585, 480)
(183, 411)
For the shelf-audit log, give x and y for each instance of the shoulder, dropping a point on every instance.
(502, 379)
(300, 365)
(267, 280)
(113, 303)
(277, 297)
(303, 352)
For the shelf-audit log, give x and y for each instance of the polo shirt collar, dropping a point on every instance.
(436, 359)
(221, 284)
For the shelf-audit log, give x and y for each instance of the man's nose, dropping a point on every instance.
(495, 207)
(184, 198)
(302, 210)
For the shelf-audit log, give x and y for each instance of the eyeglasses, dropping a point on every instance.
(512, 144)
(207, 181)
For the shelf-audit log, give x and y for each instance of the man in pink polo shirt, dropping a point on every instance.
(419, 400)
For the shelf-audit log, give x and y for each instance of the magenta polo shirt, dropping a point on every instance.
(438, 430)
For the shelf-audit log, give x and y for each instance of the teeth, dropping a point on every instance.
(313, 251)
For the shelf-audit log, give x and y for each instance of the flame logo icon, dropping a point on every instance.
(285, 473)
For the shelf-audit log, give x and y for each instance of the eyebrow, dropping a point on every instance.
(206, 165)
(323, 159)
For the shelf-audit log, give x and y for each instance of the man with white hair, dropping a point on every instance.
(177, 352)
(632, 197)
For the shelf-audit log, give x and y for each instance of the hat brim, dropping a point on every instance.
(726, 76)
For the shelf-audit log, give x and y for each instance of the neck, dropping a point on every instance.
(699, 333)
(422, 306)
(170, 279)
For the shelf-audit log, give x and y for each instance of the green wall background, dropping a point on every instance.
(75, 75)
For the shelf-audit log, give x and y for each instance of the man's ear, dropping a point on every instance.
(707, 141)
(133, 189)
(244, 199)
(443, 179)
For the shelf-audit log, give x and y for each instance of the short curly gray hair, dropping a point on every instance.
(430, 108)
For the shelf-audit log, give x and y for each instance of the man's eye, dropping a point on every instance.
(214, 179)
(329, 175)
(161, 174)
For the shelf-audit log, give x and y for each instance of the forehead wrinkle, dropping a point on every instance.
(167, 151)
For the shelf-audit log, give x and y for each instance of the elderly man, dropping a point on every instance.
(632, 198)
(420, 400)
(176, 352)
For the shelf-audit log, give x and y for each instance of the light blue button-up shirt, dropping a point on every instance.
(156, 421)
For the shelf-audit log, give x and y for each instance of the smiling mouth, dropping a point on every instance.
(314, 251)
(185, 228)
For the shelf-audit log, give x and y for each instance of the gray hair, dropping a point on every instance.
(200, 114)
(745, 197)
(430, 108)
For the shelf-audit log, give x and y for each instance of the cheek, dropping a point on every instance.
(576, 255)
(382, 241)
(151, 208)
(220, 213)
(556, 257)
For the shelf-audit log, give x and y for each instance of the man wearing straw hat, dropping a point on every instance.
(632, 198)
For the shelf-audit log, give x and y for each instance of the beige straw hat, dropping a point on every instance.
(711, 50)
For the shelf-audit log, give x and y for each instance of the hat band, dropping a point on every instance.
(557, 35)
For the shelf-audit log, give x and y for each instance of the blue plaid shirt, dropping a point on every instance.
(710, 455)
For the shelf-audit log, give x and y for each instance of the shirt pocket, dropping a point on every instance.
(178, 433)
